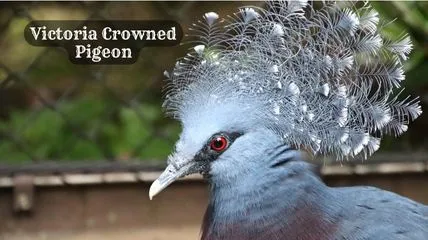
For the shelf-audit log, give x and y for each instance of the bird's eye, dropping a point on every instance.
(219, 143)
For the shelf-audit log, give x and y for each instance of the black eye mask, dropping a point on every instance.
(207, 154)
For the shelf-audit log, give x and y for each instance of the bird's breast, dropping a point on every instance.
(274, 222)
(285, 202)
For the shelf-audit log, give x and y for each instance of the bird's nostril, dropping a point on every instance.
(174, 165)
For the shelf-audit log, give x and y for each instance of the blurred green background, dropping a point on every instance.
(51, 109)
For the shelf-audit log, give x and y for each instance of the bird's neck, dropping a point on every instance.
(285, 200)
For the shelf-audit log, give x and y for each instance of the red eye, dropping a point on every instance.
(218, 144)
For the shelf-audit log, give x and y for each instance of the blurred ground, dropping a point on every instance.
(184, 233)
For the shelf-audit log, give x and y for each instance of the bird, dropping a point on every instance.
(264, 89)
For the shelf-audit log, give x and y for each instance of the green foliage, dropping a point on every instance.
(86, 129)
(409, 17)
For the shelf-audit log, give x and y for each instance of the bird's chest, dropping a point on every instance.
(275, 230)
(272, 221)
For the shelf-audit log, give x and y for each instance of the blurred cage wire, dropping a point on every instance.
(53, 110)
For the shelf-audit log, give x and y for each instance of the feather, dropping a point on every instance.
(333, 59)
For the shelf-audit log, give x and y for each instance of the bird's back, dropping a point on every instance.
(372, 213)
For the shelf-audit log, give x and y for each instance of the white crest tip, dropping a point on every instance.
(199, 49)
(249, 14)
(211, 17)
(166, 74)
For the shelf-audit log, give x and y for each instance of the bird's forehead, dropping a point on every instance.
(200, 122)
(193, 139)
(197, 130)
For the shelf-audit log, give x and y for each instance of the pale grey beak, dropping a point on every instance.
(169, 175)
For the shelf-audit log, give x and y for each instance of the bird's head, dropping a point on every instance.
(217, 142)
(261, 80)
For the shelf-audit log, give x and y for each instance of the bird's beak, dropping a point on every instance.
(169, 175)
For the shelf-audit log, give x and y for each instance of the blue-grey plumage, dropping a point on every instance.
(281, 197)
(290, 75)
